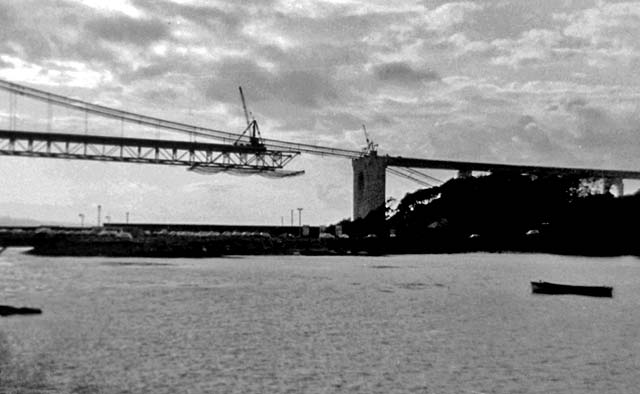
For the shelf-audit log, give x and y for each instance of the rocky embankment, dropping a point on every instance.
(191, 244)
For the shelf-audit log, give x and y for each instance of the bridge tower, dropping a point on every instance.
(369, 184)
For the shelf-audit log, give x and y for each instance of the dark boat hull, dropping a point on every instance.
(555, 288)
(7, 310)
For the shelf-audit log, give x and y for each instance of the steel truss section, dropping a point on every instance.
(138, 150)
(138, 119)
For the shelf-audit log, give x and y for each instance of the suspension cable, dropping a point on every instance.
(131, 117)
(423, 174)
(410, 177)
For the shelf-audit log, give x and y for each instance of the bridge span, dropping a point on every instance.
(197, 155)
(369, 176)
(235, 151)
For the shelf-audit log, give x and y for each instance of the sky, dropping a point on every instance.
(542, 83)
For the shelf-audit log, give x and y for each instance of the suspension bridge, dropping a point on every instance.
(246, 152)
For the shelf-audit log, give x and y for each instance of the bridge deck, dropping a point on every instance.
(399, 161)
(139, 150)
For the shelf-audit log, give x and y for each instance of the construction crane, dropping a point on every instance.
(371, 148)
(255, 139)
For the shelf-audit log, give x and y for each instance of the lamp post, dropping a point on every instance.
(300, 217)
(99, 214)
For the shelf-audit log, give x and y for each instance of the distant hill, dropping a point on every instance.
(11, 221)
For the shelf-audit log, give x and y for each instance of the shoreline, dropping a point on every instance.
(219, 246)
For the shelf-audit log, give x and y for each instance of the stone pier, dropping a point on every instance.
(369, 184)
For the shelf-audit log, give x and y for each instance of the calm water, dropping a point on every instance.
(292, 324)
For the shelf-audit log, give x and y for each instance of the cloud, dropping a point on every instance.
(532, 139)
(532, 47)
(20, 39)
(124, 29)
(327, 8)
(449, 15)
(574, 103)
(523, 140)
(606, 23)
(306, 88)
(301, 31)
(213, 18)
(611, 29)
(399, 72)
(462, 45)
(112, 6)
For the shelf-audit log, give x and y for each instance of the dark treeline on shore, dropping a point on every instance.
(508, 212)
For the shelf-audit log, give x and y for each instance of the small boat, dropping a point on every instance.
(541, 287)
(7, 310)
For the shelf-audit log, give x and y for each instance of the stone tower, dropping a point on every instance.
(368, 185)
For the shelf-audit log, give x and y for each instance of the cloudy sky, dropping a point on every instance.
(546, 82)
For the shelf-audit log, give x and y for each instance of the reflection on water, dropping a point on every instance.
(134, 263)
(19, 375)
(436, 324)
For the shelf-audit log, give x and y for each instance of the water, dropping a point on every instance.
(293, 324)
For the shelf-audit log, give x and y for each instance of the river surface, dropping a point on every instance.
(464, 323)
